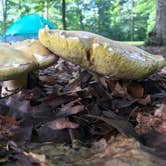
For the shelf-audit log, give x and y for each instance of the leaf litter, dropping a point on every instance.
(69, 118)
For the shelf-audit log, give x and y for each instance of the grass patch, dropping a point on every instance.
(135, 43)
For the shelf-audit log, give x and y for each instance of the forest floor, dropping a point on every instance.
(70, 117)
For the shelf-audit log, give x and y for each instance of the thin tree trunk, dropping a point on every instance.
(46, 10)
(100, 17)
(4, 15)
(20, 4)
(80, 15)
(81, 21)
(158, 36)
(64, 14)
(132, 21)
(161, 21)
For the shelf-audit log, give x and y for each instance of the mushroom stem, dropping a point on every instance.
(11, 86)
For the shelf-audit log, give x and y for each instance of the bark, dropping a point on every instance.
(158, 36)
(4, 15)
(80, 16)
(81, 21)
(132, 21)
(64, 14)
(101, 21)
(46, 10)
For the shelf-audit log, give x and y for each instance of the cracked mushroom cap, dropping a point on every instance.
(36, 51)
(101, 55)
(13, 63)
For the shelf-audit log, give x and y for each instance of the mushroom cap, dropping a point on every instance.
(101, 55)
(13, 63)
(37, 52)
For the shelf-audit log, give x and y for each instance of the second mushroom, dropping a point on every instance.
(20, 58)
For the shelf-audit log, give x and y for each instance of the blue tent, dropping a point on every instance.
(26, 27)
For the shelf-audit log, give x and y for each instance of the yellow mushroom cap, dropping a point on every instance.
(37, 52)
(13, 63)
(101, 55)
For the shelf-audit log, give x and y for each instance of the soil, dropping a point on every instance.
(68, 116)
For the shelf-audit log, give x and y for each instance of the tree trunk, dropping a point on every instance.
(132, 21)
(4, 15)
(46, 8)
(101, 21)
(64, 14)
(80, 15)
(158, 36)
(81, 21)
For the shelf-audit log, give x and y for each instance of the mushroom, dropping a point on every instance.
(36, 51)
(101, 55)
(14, 66)
(18, 59)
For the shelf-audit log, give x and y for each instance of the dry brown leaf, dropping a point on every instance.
(70, 111)
(8, 120)
(7, 127)
(103, 81)
(156, 121)
(145, 101)
(70, 104)
(61, 123)
(39, 159)
(119, 90)
(123, 151)
(123, 126)
(144, 125)
(71, 108)
(161, 112)
(161, 115)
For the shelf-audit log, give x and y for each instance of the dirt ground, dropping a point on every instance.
(70, 117)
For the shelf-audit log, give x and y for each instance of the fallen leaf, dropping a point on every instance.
(100, 90)
(39, 159)
(104, 82)
(123, 126)
(63, 112)
(61, 123)
(161, 111)
(160, 95)
(8, 120)
(119, 90)
(145, 101)
(49, 80)
(70, 108)
(21, 159)
(7, 127)
(128, 151)
(143, 125)
(45, 134)
(157, 141)
(161, 114)
(53, 100)
(85, 78)
(156, 122)
(72, 87)
(122, 103)
(22, 101)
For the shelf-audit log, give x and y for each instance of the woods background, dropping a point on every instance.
(124, 20)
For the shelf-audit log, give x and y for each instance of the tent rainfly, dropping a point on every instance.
(26, 27)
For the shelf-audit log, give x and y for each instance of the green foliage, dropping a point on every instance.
(123, 20)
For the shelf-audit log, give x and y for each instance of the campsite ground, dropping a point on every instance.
(71, 119)
(135, 43)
